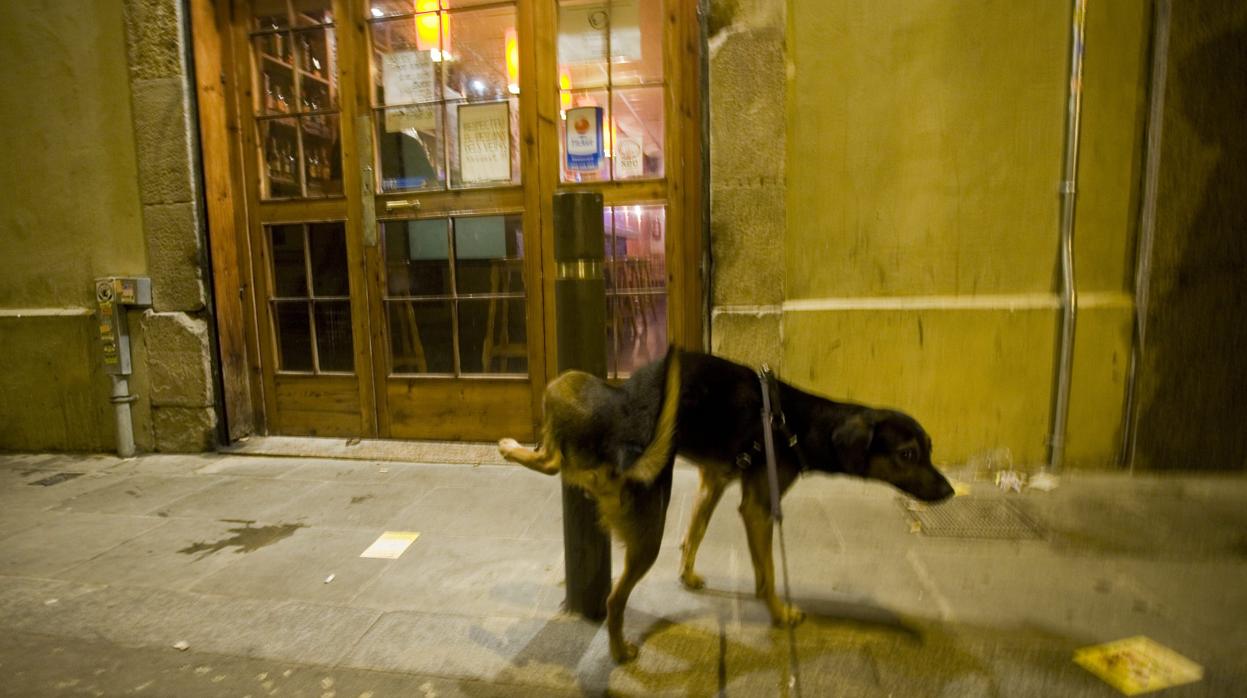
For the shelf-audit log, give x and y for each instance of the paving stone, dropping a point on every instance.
(136, 495)
(296, 568)
(161, 558)
(65, 540)
(240, 499)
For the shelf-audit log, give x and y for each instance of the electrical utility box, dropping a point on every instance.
(113, 294)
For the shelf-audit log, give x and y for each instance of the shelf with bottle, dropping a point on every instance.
(281, 162)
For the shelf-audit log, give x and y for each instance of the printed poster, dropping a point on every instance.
(584, 139)
(485, 142)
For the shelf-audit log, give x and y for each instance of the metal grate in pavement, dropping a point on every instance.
(963, 517)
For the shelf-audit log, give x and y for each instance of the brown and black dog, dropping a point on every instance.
(619, 443)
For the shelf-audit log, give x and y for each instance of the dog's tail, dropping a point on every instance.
(546, 459)
(657, 455)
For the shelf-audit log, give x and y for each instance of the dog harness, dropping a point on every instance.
(776, 420)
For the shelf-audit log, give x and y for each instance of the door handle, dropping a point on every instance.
(402, 203)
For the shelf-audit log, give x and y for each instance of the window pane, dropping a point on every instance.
(289, 266)
(636, 41)
(294, 336)
(492, 336)
(318, 78)
(270, 14)
(328, 257)
(583, 28)
(409, 146)
(322, 155)
(637, 149)
(334, 347)
(273, 57)
(312, 12)
(489, 253)
(421, 336)
(417, 258)
(477, 69)
(636, 286)
(280, 167)
(388, 8)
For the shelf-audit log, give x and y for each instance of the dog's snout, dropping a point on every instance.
(943, 490)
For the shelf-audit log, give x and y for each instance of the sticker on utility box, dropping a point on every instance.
(391, 545)
(1138, 665)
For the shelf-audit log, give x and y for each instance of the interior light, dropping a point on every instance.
(377, 12)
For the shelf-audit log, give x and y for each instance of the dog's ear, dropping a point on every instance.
(852, 441)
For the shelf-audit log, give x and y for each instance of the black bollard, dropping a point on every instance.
(580, 308)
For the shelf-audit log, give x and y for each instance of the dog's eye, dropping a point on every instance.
(909, 454)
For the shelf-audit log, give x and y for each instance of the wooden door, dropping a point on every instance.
(400, 159)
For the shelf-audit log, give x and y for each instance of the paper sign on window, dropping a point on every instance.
(408, 78)
(584, 139)
(629, 157)
(485, 142)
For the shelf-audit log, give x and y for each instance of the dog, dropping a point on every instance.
(619, 444)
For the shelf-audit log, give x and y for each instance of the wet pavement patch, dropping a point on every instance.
(245, 538)
(55, 479)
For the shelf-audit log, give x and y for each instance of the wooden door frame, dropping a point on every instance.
(238, 252)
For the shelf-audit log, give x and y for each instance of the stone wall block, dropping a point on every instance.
(747, 107)
(749, 338)
(184, 429)
(178, 361)
(747, 239)
(153, 38)
(161, 134)
(173, 256)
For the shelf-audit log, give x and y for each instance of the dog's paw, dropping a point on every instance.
(693, 581)
(623, 652)
(788, 615)
(505, 446)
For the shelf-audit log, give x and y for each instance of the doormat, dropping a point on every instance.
(1138, 665)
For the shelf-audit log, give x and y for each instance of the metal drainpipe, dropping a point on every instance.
(121, 400)
(1147, 222)
(1069, 295)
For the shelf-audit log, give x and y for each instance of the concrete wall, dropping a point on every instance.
(96, 179)
(1192, 390)
(920, 173)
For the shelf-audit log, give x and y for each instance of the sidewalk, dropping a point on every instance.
(105, 568)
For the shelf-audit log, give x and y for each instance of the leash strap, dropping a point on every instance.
(767, 378)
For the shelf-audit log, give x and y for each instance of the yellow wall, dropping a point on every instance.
(69, 211)
(925, 153)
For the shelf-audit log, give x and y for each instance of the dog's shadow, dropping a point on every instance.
(702, 651)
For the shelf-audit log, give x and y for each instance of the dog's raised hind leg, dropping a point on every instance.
(708, 495)
(545, 460)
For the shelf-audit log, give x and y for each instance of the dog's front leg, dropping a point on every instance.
(755, 510)
(639, 556)
(708, 495)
